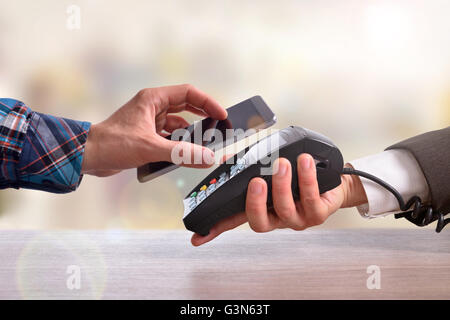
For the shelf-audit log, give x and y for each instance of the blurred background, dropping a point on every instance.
(364, 73)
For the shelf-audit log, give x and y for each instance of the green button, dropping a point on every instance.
(193, 194)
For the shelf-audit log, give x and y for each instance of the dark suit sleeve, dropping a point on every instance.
(432, 152)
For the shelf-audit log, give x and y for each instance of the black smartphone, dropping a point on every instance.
(252, 113)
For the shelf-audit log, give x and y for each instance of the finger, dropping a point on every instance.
(187, 107)
(283, 201)
(256, 206)
(188, 93)
(309, 189)
(174, 122)
(183, 153)
(224, 225)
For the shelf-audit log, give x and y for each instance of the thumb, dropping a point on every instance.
(184, 154)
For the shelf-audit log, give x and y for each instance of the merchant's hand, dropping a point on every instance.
(312, 209)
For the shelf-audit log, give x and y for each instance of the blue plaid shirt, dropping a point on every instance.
(39, 151)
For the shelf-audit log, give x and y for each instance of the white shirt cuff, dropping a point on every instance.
(398, 168)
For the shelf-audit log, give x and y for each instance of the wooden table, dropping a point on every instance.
(314, 264)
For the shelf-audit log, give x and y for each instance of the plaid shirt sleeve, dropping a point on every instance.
(39, 151)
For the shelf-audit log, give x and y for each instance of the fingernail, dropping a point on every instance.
(305, 163)
(282, 168)
(209, 157)
(255, 188)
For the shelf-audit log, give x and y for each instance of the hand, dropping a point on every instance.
(312, 209)
(134, 134)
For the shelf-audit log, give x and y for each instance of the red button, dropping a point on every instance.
(213, 181)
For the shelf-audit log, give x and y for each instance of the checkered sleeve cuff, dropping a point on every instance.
(52, 154)
(39, 151)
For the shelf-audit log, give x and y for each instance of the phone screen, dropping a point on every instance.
(252, 113)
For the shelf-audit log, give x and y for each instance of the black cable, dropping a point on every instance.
(421, 215)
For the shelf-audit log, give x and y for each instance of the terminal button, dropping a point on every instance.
(210, 189)
(220, 182)
(201, 196)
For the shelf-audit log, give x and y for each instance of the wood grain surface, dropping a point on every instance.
(314, 264)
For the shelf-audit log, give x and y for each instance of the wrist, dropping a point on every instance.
(354, 193)
(90, 149)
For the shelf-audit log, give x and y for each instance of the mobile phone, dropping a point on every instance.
(252, 113)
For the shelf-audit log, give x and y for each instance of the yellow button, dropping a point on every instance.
(203, 188)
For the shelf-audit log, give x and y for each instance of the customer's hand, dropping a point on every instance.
(134, 134)
(312, 209)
